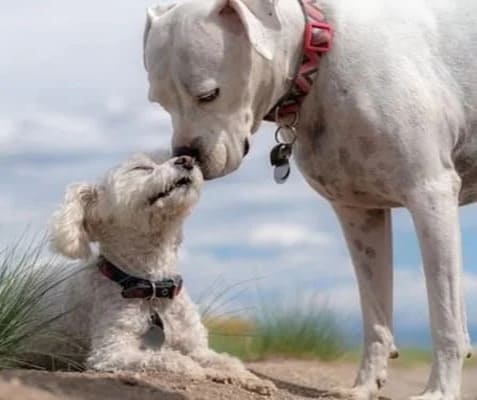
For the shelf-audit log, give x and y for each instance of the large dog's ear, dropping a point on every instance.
(153, 13)
(260, 19)
(69, 233)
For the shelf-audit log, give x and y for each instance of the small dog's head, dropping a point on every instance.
(146, 194)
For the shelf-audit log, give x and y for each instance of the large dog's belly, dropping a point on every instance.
(356, 186)
(358, 169)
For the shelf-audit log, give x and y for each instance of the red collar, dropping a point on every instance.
(318, 41)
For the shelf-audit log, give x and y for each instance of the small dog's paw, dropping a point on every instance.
(260, 386)
(246, 381)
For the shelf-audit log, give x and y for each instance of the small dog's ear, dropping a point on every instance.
(69, 225)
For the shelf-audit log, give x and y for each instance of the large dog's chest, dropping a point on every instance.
(343, 176)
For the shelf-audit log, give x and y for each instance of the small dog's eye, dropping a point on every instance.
(209, 96)
(142, 168)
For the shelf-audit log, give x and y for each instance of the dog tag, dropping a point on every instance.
(154, 338)
(280, 159)
(281, 173)
(280, 154)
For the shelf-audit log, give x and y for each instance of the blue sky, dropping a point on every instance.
(73, 103)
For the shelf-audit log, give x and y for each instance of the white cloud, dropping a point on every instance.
(51, 132)
(287, 235)
(57, 133)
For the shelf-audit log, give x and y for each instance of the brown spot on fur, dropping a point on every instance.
(321, 180)
(373, 220)
(358, 244)
(370, 252)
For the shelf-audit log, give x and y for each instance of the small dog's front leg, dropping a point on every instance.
(121, 342)
(127, 357)
(227, 369)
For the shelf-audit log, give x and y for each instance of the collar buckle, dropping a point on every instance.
(320, 43)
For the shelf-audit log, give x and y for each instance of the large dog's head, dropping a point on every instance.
(211, 64)
(143, 196)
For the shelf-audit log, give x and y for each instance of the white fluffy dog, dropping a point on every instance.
(133, 313)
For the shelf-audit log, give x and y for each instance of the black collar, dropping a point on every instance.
(138, 288)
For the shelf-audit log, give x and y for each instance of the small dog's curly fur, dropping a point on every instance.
(136, 217)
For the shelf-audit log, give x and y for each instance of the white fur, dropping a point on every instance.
(142, 239)
(391, 122)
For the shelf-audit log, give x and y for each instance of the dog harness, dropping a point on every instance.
(138, 288)
(317, 42)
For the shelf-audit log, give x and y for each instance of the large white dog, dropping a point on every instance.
(390, 121)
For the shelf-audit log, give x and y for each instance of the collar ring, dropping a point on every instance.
(279, 122)
(154, 293)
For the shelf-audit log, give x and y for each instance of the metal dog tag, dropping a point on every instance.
(281, 173)
(154, 338)
(280, 159)
(280, 154)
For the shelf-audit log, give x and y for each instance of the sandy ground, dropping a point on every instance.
(296, 380)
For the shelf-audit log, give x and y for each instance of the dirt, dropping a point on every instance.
(295, 380)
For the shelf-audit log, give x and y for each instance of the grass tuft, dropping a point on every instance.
(28, 284)
(296, 332)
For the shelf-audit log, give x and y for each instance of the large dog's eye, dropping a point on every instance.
(209, 96)
(144, 168)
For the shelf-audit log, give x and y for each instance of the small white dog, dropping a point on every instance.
(134, 314)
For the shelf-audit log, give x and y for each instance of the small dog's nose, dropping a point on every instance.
(186, 162)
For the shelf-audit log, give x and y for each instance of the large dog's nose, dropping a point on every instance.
(187, 151)
(186, 162)
(246, 147)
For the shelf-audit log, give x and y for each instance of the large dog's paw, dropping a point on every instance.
(435, 396)
(356, 393)
(246, 380)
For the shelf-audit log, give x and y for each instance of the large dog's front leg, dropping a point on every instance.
(435, 210)
(368, 234)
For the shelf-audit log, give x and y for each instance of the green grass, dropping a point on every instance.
(27, 287)
(296, 332)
